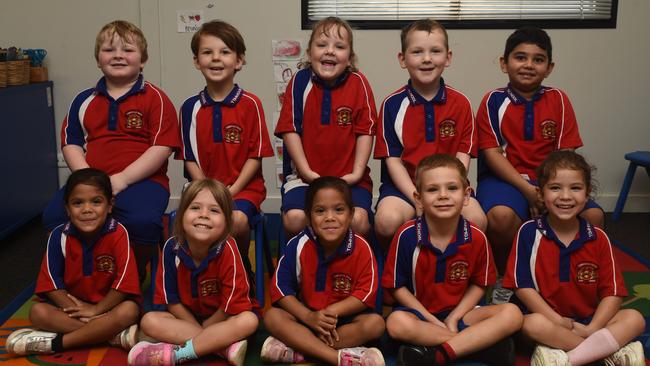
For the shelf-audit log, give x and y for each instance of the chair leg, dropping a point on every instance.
(625, 189)
(259, 260)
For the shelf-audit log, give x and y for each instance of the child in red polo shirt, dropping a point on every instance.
(325, 287)
(223, 128)
(88, 278)
(327, 123)
(202, 281)
(126, 127)
(564, 272)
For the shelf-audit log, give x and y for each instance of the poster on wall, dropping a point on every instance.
(189, 21)
(286, 57)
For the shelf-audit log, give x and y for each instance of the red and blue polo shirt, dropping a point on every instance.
(438, 279)
(88, 269)
(115, 133)
(218, 282)
(572, 279)
(304, 272)
(221, 136)
(527, 130)
(412, 127)
(328, 119)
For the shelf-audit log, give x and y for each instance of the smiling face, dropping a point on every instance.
(442, 193)
(527, 66)
(88, 208)
(204, 221)
(119, 59)
(330, 53)
(330, 217)
(217, 62)
(425, 58)
(565, 194)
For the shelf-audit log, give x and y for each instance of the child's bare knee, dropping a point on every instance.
(149, 323)
(38, 313)
(513, 315)
(272, 317)
(127, 312)
(247, 322)
(374, 326)
(397, 325)
(360, 223)
(240, 223)
(536, 325)
(294, 221)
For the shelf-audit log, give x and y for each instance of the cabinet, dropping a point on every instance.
(28, 145)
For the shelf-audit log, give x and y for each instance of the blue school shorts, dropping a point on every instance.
(388, 190)
(293, 198)
(247, 207)
(492, 191)
(440, 316)
(140, 208)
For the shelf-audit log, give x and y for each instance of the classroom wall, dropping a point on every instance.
(604, 71)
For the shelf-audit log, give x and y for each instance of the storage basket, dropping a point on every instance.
(3, 74)
(18, 72)
(37, 74)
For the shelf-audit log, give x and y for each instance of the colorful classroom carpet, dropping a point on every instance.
(14, 316)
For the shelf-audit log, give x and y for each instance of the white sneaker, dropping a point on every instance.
(28, 341)
(361, 356)
(127, 338)
(236, 353)
(500, 295)
(546, 356)
(630, 355)
(275, 351)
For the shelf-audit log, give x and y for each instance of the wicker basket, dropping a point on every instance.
(37, 74)
(3, 74)
(18, 72)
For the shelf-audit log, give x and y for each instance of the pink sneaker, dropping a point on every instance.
(236, 353)
(152, 354)
(361, 356)
(275, 351)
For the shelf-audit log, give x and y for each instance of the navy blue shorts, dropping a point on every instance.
(293, 197)
(140, 208)
(440, 316)
(389, 190)
(247, 207)
(492, 191)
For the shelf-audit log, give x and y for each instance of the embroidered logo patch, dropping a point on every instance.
(233, 134)
(133, 120)
(447, 128)
(459, 271)
(209, 287)
(587, 272)
(105, 263)
(548, 129)
(344, 116)
(342, 283)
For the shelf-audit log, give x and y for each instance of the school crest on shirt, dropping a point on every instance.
(233, 134)
(133, 120)
(105, 263)
(447, 128)
(549, 129)
(342, 283)
(344, 116)
(459, 271)
(587, 272)
(209, 287)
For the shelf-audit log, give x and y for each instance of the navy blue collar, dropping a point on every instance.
(230, 100)
(110, 225)
(415, 97)
(463, 235)
(586, 232)
(518, 99)
(184, 253)
(344, 249)
(138, 87)
(338, 82)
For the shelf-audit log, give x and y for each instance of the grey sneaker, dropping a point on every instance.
(29, 341)
(630, 355)
(126, 339)
(546, 356)
(500, 295)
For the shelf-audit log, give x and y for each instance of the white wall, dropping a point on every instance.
(604, 71)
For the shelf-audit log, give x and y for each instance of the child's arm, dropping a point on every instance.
(472, 296)
(144, 166)
(536, 304)
(60, 298)
(293, 142)
(464, 158)
(607, 308)
(504, 170)
(194, 170)
(400, 177)
(181, 312)
(348, 306)
(217, 317)
(248, 171)
(361, 156)
(405, 298)
(322, 321)
(86, 311)
(75, 157)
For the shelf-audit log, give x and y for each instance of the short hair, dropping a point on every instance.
(427, 25)
(320, 183)
(88, 176)
(220, 193)
(530, 35)
(439, 161)
(225, 32)
(565, 159)
(324, 26)
(127, 31)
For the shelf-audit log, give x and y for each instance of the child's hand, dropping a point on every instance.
(309, 176)
(534, 203)
(432, 319)
(331, 338)
(566, 323)
(452, 324)
(322, 321)
(351, 179)
(582, 330)
(118, 183)
(81, 309)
